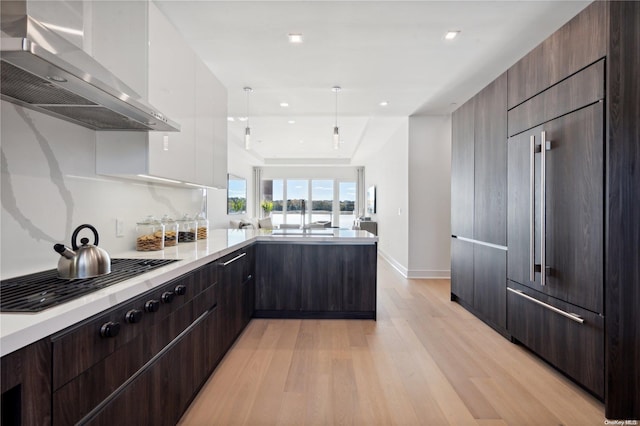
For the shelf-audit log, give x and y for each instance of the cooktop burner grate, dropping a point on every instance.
(42, 290)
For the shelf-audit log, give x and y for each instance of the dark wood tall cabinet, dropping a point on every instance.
(479, 203)
(490, 164)
(462, 152)
(572, 234)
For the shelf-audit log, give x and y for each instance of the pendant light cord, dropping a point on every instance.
(336, 90)
(248, 90)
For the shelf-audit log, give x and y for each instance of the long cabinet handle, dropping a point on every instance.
(234, 259)
(571, 316)
(544, 147)
(532, 208)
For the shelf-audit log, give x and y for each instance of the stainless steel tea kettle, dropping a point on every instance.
(85, 261)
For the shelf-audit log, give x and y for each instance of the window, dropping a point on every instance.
(347, 199)
(297, 194)
(309, 201)
(236, 195)
(321, 200)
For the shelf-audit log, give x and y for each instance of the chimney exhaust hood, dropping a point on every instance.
(43, 71)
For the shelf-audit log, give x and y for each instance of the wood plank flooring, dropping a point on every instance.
(425, 361)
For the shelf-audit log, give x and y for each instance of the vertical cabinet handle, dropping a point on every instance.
(532, 208)
(544, 147)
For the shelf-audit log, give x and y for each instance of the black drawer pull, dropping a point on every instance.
(133, 316)
(167, 296)
(571, 316)
(110, 329)
(152, 306)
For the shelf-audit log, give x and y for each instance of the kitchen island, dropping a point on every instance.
(102, 349)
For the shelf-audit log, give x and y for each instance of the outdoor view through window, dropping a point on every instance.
(322, 200)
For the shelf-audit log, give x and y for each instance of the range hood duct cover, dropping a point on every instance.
(43, 71)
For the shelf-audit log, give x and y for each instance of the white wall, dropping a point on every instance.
(326, 172)
(412, 175)
(388, 171)
(49, 187)
(429, 196)
(239, 163)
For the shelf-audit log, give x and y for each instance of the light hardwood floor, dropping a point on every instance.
(425, 361)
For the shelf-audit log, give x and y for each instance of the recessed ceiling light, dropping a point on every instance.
(284, 104)
(450, 35)
(295, 37)
(291, 121)
(301, 141)
(231, 119)
(242, 118)
(384, 103)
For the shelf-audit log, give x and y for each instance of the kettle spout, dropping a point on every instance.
(64, 251)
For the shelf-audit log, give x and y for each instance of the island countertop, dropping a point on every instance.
(18, 330)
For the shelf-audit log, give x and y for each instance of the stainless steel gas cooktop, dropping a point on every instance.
(42, 290)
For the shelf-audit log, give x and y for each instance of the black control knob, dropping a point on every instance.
(133, 316)
(181, 290)
(152, 306)
(110, 329)
(167, 296)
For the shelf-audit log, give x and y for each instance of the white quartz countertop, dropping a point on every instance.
(18, 330)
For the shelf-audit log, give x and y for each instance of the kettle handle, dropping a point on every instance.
(78, 229)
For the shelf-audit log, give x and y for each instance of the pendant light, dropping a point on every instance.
(247, 130)
(336, 130)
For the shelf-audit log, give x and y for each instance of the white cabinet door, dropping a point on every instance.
(220, 112)
(211, 128)
(179, 85)
(205, 110)
(172, 91)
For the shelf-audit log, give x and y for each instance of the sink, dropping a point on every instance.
(302, 233)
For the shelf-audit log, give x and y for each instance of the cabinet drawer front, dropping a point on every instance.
(580, 42)
(577, 349)
(581, 89)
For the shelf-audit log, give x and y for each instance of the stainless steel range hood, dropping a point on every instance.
(43, 71)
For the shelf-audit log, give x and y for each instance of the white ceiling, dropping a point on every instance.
(376, 51)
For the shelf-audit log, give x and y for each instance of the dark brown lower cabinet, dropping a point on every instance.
(278, 274)
(478, 281)
(101, 379)
(26, 385)
(462, 271)
(160, 393)
(236, 293)
(567, 336)
(490, 290)
(315, 281)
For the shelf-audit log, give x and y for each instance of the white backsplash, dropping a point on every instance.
(49, 187)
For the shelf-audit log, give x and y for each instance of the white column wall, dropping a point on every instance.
(387, 169)
(429, 196)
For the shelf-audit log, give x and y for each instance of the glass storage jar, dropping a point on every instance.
(203, 226)
(187, 229)
(150, 234)
(170, 231)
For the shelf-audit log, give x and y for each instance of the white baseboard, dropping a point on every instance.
(391, 261)
(429, 273)
(415, 273)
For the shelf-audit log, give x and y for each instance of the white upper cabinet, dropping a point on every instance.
(211, 125)
(179, 85)
(172, 72)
